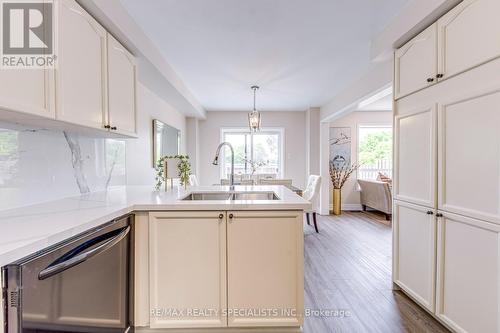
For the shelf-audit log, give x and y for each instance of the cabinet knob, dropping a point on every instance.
(430, 212)
(439, 215)
(221, 216)
(439, 76)
(231, 216)
(431, 79)
(107, 126)
(113, 128)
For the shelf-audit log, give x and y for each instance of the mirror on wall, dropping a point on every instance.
(166, 140)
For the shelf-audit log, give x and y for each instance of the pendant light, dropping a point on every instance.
(254, 116)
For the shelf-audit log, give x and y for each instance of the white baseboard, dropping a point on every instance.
(347, 207)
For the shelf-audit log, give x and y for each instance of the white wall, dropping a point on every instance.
(193, 143)
(294, 124)
(312, 141)
(350, 195)
(140, 169)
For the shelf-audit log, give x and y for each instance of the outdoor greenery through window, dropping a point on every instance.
(254, 153)
(375, 151)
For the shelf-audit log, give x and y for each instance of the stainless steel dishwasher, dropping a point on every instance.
(80, 285)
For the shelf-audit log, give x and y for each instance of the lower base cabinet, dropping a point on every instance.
(449, 264)
(187, 267)
(265, 274)
(226, 269)
(415, 251)
(468, 274)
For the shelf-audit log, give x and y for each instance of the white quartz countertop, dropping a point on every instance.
(26, 230)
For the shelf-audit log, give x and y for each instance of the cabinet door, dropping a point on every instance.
(468, 36)
(468, 279)
(416, 63)
(415, 251)
(469, 154)
(28, 90)
(265, 268)
(187, 267)
(121, 88)
(81, 72)
(415, 156)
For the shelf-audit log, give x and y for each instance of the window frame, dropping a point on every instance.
(244, 130)
(358, 143)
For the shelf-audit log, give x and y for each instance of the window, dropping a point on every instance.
(254, 153)
(375, 151)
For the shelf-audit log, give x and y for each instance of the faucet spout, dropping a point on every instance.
(216, 161)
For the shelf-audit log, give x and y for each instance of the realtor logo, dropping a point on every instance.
(27, 34)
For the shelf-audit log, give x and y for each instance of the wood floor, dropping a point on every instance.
(348, 268)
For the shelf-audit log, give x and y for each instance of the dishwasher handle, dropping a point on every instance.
(77, 255)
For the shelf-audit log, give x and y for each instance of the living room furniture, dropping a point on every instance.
(311, 194)
(377, 195)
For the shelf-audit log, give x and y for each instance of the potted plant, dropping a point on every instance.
(183, 170)
(339, 175)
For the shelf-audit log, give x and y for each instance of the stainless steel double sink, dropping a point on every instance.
(231, 196)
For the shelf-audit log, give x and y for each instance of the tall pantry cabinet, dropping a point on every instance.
(447, 168)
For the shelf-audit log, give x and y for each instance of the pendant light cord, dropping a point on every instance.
(254, 98)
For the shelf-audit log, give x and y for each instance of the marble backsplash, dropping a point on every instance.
(42, 165)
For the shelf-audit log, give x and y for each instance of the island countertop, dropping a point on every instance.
(29, 229)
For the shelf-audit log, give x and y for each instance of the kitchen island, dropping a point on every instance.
(201, 260)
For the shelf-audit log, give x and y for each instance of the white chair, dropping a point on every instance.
(193, 181)
(285, 182)
(311, 194)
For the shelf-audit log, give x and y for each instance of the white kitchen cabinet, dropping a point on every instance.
(416, 63)
(265, 268)
(415, 155)
(121, 88)
(468, 36)
(81, 73)
(187, 266)
(28, 91)
(469, 153)
(414, 232)
(468, 279)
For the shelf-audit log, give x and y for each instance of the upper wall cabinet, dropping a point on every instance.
(121, 88)
(468, 36)
(81, 72)
(92, 90)
(28, 90)
(416, 63)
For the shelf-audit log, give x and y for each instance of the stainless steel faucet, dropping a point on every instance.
(216, 162)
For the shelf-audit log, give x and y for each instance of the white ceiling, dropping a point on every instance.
(301, 52)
